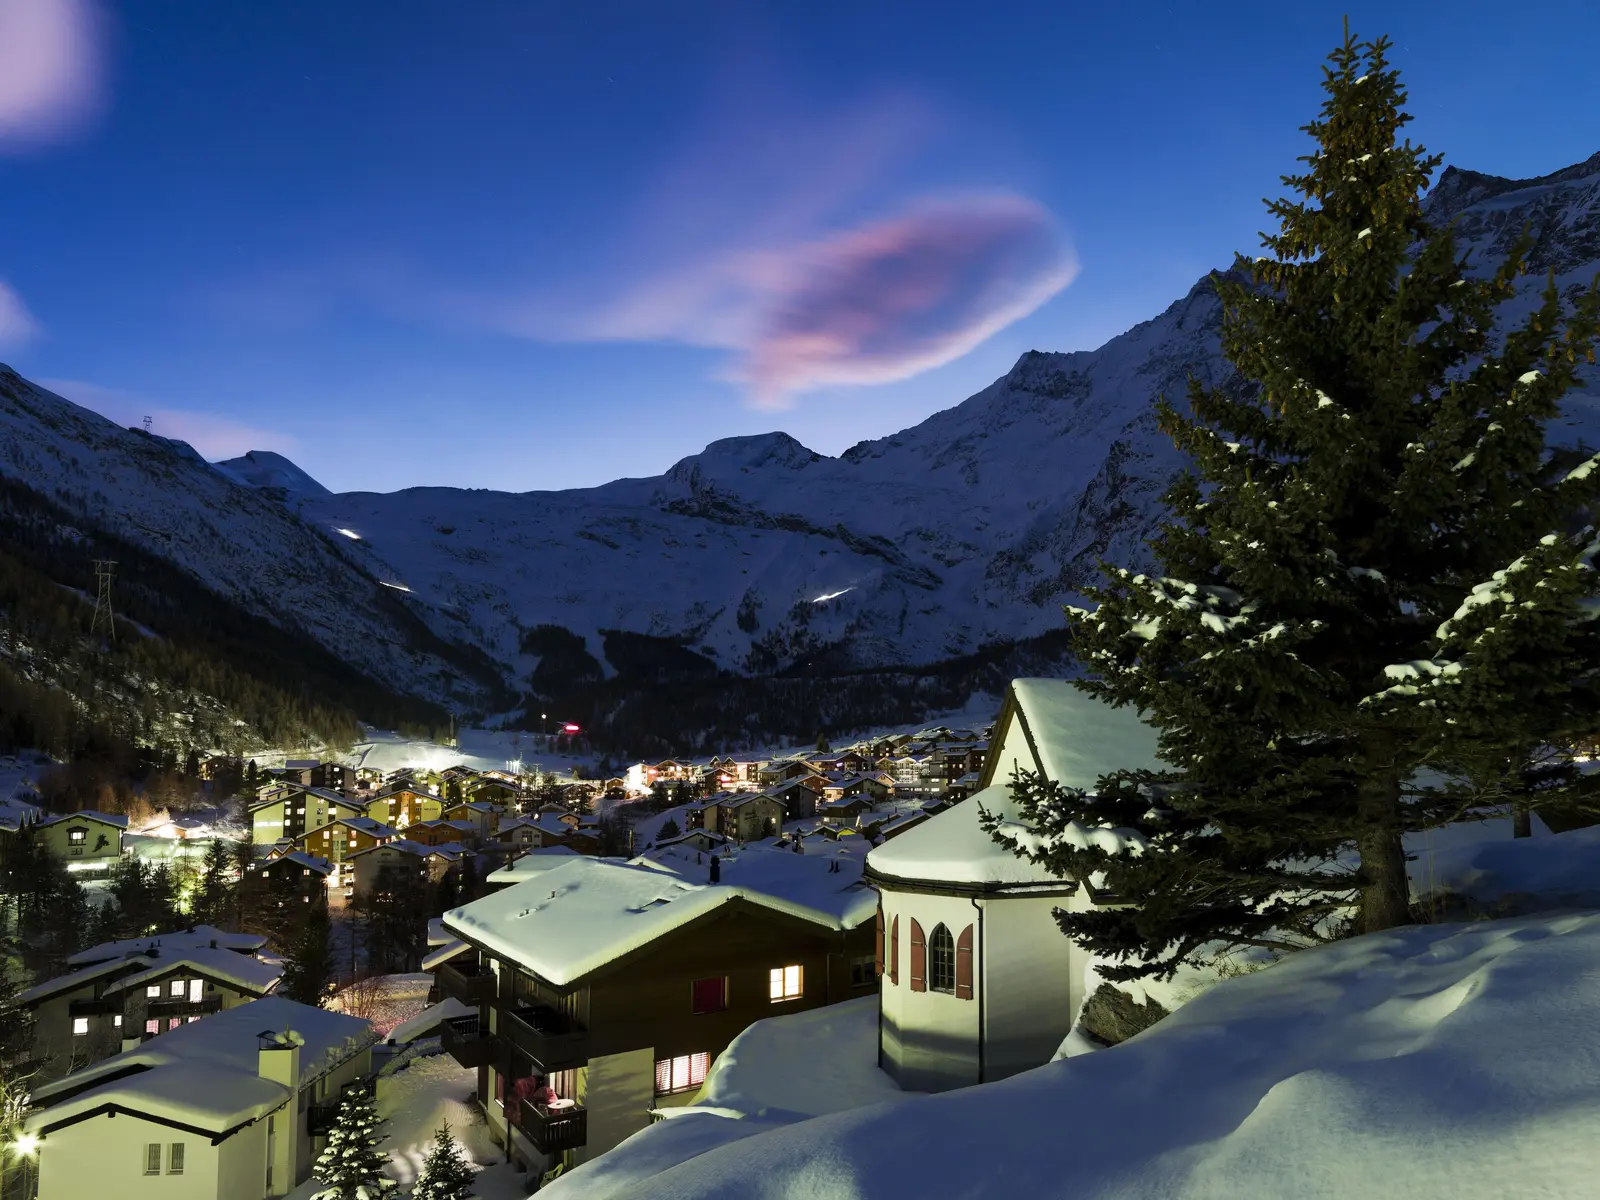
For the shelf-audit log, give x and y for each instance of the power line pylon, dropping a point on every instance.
(104, 568)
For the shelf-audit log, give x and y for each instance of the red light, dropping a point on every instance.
(569, 729)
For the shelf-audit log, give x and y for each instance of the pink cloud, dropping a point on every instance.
(16, 322)
(752, 242)
(213, 435)
(49, 68)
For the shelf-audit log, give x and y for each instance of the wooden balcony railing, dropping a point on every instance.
(547, 1035)
(464, 1041)
(469, 982)
(556, 1129)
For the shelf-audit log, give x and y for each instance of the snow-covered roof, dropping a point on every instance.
(586, 913)
(535, 862)
(204, 1073)
(443, 954)
(81, 977)
(306, 861)
(1074, 737)
(952, 848)
(182, 939)
(428, 1020)
(239, 970)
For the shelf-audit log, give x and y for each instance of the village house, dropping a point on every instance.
(342, 840)
(443, 833)
(85, 841)
(428, 862)
(977, 981)
(296, 873)
(487, 789)
(619, 984)
(744, 816)
(482, 815)
(294, 811)
(106, 1003)
(404, 805)
(166, 826)
(235, 1107)
(798, 797)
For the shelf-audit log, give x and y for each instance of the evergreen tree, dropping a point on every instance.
(351, 1165)
(447, 892)
(469, 885)
(1365, 574)
(446, 1173)
(669, 829)
(308, 965)
(213, 899)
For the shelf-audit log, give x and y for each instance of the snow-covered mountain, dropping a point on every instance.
(240, 542)
(972, 527)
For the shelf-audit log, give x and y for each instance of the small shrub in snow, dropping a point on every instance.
(351, 1165)
(446, 1173)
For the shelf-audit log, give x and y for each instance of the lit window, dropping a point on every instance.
(77, 835)
(941, 960)
(80, 1026)
(152, 1158)
(682, 1073)
(786, 983)
(178, 988)
(710, 995)
(153, 1025)
(174, 1022)
(116, 1020)
(175, 1159)
(191, 1020)
(153, 991)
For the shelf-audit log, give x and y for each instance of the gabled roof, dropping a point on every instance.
(204, 1075)
(82, 977)
(306, 861)
(88, 814)
(169, 943)
(325, 794)
(366, 825)
(223, 966)
(584, 914)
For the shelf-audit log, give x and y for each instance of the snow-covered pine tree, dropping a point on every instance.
(446, 1173)
(308, 966)
(351, 1166)
(1318, 634)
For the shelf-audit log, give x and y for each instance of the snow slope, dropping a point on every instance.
(162, 496)
(1434, 1061)
(269, 469)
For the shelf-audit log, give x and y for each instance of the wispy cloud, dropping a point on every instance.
(754, 241)
(213, 435)
(50, 69)
(17, 324)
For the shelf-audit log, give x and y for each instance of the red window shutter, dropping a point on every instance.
(877, 964)
(894, 951)
(919, 958)
(964, 965)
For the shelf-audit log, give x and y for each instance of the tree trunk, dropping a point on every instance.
(1521, 821)
(1385, 890)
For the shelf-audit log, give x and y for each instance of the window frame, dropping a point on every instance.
(177, 988)
(779, 983)
(175, 1158)
(695, 1008)
(152, 991)
(941, 967)
(152, 1158)
(80, 1026)
(695, 1066)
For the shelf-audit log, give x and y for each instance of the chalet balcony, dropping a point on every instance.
(183, 1008)
(94, 1008)
(469, 982)
(463, 1040)
(548, 1036)
(555, 1129)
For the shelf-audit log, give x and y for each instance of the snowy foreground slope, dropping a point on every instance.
(1456, 1061)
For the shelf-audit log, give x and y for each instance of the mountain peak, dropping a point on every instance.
(753, 451)
(269, 469)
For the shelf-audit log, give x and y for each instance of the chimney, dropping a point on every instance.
(278, 1057)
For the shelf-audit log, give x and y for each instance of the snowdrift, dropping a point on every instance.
(1449, 1060)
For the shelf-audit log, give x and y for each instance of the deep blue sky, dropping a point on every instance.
(536, 244)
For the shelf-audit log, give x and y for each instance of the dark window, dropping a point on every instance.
(863, 972)
(711, 995)
(941, 960)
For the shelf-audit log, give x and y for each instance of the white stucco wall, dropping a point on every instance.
(618, 1090)
(1031, 979)
(1010, 753)
(104, 1157)
(929, 1040)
